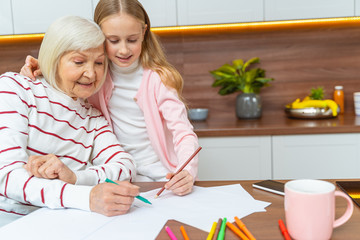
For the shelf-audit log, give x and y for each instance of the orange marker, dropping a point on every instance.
(236, 231)
(183, 232)
(244, 228)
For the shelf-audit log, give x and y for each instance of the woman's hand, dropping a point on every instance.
(113, 199)
(31, 68)
(49, 167)
(181, 183)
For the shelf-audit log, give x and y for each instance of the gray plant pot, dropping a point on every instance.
(248, 105)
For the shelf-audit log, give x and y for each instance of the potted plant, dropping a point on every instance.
(240, 77)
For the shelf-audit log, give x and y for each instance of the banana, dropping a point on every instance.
(333, 106)
(310, 103)
(306, 98)
(306, 103)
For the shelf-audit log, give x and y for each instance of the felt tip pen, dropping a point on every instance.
(237, 231)
(138, 197)
(183, 232)
(244, 228)
(212, 231)
(170, 233)
(221, 235)
(284, 230)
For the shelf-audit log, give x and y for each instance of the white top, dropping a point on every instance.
(36, 119)
(339, 87)
(129, 123)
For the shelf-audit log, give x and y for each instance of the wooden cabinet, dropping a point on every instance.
(35, 16)
(324, 156)
(6, 26)
(318, 156)
(192, 12)
(235, 158)
(285, 9)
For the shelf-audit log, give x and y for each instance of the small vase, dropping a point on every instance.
(248, 105)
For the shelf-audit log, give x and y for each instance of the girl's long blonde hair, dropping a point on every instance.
(152, 55)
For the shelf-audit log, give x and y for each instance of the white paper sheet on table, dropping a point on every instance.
(199, 209)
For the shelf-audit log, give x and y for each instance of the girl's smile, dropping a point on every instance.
(124, 36)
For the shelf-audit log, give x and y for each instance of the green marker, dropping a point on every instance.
(138, 197)
(221, 235)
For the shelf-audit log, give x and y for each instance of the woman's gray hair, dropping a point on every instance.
(69, 33)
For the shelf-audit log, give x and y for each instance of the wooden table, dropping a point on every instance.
(263, 225)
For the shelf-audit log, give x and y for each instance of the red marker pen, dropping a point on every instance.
(283, 229)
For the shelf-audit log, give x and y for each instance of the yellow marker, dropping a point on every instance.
(212, 231)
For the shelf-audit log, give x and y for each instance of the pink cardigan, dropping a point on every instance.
(170, 132)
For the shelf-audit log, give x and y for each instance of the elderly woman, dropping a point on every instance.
(51, 115)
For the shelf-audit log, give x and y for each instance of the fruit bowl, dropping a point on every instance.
(309, 113)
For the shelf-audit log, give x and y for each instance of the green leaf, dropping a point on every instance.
(226, 68)
(227, 90)
(251, 75)
(249, 62)
(224, 81)
(238, 63)
(264, 80)
(220, 75)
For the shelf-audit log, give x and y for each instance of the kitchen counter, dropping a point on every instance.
(274, 123)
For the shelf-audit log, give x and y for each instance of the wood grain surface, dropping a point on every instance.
(298, 59)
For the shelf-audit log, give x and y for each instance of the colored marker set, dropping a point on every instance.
(217, 231)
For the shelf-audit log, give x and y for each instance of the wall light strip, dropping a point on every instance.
(261, 26)
(231, 27)
(25, 38)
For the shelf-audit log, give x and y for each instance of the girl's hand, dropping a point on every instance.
(49, 167)
(31, 68)
(111, 199)
(181, 183)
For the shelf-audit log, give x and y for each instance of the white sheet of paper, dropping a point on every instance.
(205, 205)
(199, 209)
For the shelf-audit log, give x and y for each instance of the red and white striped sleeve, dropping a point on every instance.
(108, 160)
(15, 183)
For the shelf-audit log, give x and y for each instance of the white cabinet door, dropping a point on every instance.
(235, 158)
(320, 156)
(294, 9)
(192, 12)
(357, 7)
(35, 16)
(94, 3)
(6, 26)
(161, 12)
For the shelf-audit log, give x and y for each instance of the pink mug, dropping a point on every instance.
(310, 209)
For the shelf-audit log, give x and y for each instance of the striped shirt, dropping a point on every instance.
(36, 119)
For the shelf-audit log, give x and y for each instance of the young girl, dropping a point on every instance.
(141, 97)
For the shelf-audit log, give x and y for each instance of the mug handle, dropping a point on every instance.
(350, 207)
